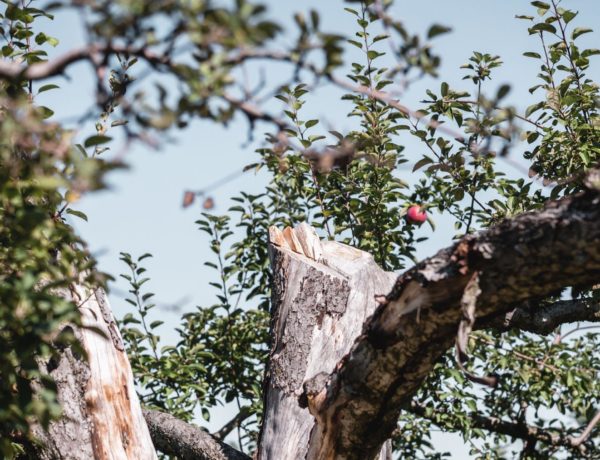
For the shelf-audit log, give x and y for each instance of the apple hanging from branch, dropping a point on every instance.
(416, 215)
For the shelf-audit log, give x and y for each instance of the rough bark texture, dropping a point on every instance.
(102, 416)
(322, 294)
(522, 259)
(175, 437)
(543, 319)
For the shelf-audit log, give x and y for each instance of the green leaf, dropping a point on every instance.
(503, 91)
(47, 88)
(569, 15)
(96, 140)
(45, 111)
(542, 8)
(585, 156)
(538, 4)
(531, 54)
(81, 149)
(542, 27)
(437, 29)
(76, 213)
(534, 108)
(444, 89)
(590, 52)
(40, 38)
(422, 162)
(578, 31)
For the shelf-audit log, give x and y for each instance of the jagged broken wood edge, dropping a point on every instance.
(323, 291)
(523, 259)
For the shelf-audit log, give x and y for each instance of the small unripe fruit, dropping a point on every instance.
(72, 196)
(416, 215)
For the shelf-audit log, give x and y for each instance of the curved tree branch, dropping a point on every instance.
(188, 442)
(528, 258)
(543, 319)
(43, 70)
(242, 415)
(515, 430)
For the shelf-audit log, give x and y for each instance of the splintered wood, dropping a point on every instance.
(323, 292)
(302, 240)
(102, 417)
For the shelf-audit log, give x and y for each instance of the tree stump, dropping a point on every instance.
(323, 292)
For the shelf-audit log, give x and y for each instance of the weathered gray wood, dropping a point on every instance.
(319, 307)
(102, 418)
(524, 259)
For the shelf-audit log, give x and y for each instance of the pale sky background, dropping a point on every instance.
(142, 210)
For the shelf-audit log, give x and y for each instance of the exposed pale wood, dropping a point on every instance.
(102, 416)
(524, 259)
(322, 294)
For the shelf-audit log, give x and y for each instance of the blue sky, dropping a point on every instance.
(141, 212)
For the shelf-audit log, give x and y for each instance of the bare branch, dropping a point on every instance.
(515, 430)
(42, 70)
(587, 431)
(242, 415)
(253, 112)
(543, 319)
(188, 442)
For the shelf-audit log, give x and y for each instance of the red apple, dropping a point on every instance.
(416, 215)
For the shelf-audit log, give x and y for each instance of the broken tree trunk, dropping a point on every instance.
(102, 418)
(323, 292)
(524, 259)
(323, 296)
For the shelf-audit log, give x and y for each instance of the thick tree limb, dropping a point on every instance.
(546, 318)
(176, 437)
(527, 258)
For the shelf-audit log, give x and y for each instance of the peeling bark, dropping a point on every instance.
(102, 417)
(322, 294)
(527, 258)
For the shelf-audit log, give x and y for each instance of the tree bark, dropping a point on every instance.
(322, 295)
(188, 442)
(545, 318)
(102, 418)
(528, 258)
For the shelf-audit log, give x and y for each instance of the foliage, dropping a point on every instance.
(40, 255)
(351, 186)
